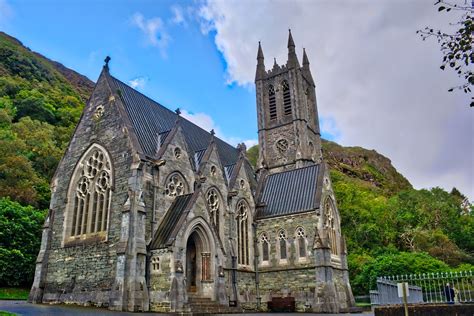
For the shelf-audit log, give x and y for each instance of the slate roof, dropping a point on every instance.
(169, 222)
(150, 118)
(291, 192)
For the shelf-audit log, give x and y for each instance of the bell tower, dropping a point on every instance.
(288, 124)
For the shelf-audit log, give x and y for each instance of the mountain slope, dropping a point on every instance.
(40, 104)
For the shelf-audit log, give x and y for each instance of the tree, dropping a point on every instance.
(456, 47)
(20, 238)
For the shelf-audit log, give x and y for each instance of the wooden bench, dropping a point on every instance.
(282, 304)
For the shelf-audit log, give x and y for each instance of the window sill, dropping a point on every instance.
(85, 240)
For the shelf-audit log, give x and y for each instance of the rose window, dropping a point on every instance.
(175, 186)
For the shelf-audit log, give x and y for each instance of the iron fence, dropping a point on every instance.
(441, 287)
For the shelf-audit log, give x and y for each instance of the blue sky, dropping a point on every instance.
(378, 84)
(167, 55)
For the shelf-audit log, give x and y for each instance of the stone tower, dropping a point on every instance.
(288, 125)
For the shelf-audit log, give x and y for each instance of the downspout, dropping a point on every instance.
(256, 260)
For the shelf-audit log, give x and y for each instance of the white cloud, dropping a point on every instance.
(378, 81)
(178, 15)
(138, 82)
(6, 12)
(154, 31)
(206, 122)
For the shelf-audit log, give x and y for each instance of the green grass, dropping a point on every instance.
(10, 293)
(3, 313)
(363, 304)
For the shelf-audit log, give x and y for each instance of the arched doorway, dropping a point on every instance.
(198, 263)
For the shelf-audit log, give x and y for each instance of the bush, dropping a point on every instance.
(20, 239)
(395, 264)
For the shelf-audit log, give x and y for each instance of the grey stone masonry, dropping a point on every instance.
(151, 213)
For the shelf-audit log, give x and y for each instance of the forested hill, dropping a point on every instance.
(390, 227)
(81, 84)
(40, 104)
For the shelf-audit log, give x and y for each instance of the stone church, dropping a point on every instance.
(149, 212)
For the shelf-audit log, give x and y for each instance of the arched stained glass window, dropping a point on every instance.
(330, 224)
(213, 204)
(91, 193)
(243, 233)
(265, 247)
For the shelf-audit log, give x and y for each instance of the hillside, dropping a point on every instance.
(40, 103)
(381, 214)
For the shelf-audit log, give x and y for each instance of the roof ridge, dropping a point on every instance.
(167, 109)
(290, 170)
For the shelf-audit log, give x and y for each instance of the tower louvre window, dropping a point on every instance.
(286, 98)
(272, 103)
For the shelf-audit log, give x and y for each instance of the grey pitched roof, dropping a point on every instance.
(150, 118)
(169, 222)
(291, 192)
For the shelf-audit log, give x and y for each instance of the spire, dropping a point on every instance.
(260, 74)
(292, 59)
(305, 58)
(306, 70)
(291, 43)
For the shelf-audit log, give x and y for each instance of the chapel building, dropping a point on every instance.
(150, 212)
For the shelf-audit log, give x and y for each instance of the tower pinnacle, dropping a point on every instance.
(260, 73)
(292, 59)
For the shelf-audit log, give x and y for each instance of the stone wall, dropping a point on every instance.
(84, 273)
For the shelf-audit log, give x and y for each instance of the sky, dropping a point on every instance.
(378, 84)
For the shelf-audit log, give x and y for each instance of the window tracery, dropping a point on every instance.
(213, 204)
(91, 194)
(175, 185)
(242, 233)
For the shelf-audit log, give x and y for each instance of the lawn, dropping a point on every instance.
(10, 293)
(3, 313)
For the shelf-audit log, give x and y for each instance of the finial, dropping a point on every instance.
(212, 132)
(106, 60)
(177, 111)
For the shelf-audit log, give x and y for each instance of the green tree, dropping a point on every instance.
(456, 46)
(20, 238)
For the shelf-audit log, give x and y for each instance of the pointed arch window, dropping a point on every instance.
(90, 194)
(213, 204)
(282, 240)
(272, 102)
(286, 98)
(301, 242)
(243, 233)
(331, 225)
(265, 246)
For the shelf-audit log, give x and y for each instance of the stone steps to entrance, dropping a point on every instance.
(204, 305)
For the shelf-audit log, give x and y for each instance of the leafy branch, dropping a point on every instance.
(456, 47)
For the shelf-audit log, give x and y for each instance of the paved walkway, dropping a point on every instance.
(27, 309)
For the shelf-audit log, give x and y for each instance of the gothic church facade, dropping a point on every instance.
(149, 212)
